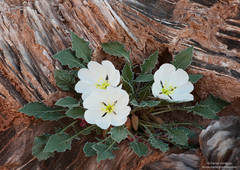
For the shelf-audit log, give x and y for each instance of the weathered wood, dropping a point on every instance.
(33, 30)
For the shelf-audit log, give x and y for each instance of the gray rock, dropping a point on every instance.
(183, 161)
(220, 143)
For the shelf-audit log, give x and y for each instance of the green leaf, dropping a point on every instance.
(81, 47)
(205, 111)
(59, 142)
(51, 116)
(88, 150)
(67, 102)
(183, 59)
(195, 77)
(139, 148)
(127, 73)
(65, 80)
(158, 144)
(216, 104)
(116, 49)
(38, 146)
(144, 92)
(209, 107)
(118, 133)
(150, 63)
(67, 57)
(103, 151)
(41, 111)
(144, 78)
(150, 103)
(134, 102)
(75, 112)
(127, 86)
(189, 132)
(178, 136)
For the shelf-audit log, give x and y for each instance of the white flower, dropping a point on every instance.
(171, 84)
(97, 77)
(105, 108)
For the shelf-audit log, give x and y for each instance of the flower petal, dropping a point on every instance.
(108, 65)
(116, 94)
(83, 87)
(164, 97)
(93, 65)
(118, 122)
(85, 95)
(114, 75)
(162, 74)
(85, 74)
(97, 70)
(122, 98)
(119, 86)
(156, 88)
(104, 122)
(178, 78)
(182, 97)
(122, 111)
(91, 116)
(94, 100)
(184, 89)
(114, 78)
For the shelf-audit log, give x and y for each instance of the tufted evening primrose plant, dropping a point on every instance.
(172, 85)
(112, 105)
(97, 77)
(105, 108)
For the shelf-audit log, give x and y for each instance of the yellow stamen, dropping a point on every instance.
(108, 108)
(167, 90)
(102, 84)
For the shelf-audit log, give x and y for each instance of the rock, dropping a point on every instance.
(220, 143)
(182, 161)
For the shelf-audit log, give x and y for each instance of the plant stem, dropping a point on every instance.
(70, 125)
(189, 107)
(136, 109)
(168, 110)
(150, 110)
(172, 124)
(181, 123)
(160, 112)
(111, 145)
(165, 139)
(149, 125)
(160, 108)
(143, 123)
(104, 139)
(81, 132)
(146, 125)
(131, 134)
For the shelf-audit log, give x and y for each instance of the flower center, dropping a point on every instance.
(102, 84)
(108, 108)
(167, 89)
